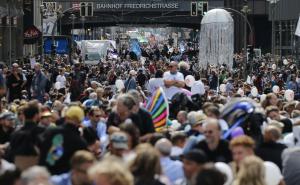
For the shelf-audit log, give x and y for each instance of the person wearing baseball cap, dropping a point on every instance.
(193, 162)
(7, 126)
(62, 142)
(118, 144)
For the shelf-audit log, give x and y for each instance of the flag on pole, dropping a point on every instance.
(159, 109)
(298, 28)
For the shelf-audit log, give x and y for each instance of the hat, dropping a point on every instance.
(75, 112)
(46, 114)
(119, 140)
(132, 72)
(8, 116)
(277, 124)
(196, 155)
(196, 118)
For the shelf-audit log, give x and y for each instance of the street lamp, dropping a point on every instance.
(272, 5)
(8, 22)
(42, 31)
(246, 11)
(73, 17)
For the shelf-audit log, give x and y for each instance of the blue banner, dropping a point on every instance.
(135, 47)
(62, 45)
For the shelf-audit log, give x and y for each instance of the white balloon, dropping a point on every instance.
(225, 169)
(119, 84)
(289, 95)
(189, 80)
(275, 89)
(273, 174)
(254, 91)
(263, 97)
(223, 88)
(274, 66)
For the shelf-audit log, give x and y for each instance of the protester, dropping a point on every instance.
(172, 169)
(110, 172)
(7, 126)
(59, 144)
(210, 176)
(251, 172)
(39, 83)
(215, 148)
(14, 83)
(173, 80)
(81, 161)
(270, 149)
(25, 143)
(35, 175)
(146, 167)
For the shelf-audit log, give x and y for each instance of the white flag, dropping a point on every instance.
(298, 28)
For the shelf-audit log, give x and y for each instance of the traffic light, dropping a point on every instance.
(86, 9)
(203, 7)
(194, 9)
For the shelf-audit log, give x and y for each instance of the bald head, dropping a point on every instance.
(164, 146)
(272, 133)
(37, 67)
(212, 123)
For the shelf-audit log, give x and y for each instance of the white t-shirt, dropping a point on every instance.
(62, 80)
(273, 174)
(198, 88)
(155, 83)
(171, 91)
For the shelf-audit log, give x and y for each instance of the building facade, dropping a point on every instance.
(11, 30)
(286, 13)
(258, 19)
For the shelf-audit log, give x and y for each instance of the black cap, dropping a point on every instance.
(196, 155)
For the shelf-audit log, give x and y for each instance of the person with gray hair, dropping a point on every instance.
(145, 116)
(271, 149)
(36, 175)
(216, 148)
(128, 108)
(172, 169)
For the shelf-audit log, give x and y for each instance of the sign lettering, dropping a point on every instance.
(137, 6)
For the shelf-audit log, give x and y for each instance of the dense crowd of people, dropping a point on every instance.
(66, 123)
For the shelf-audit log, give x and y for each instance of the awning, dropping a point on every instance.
(32, 35)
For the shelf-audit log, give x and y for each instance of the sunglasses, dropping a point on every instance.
(208, 132)
(97, 116)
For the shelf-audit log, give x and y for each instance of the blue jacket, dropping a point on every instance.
(38, 85)
(130, 84)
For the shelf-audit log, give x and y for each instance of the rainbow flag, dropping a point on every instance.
(158, 107)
